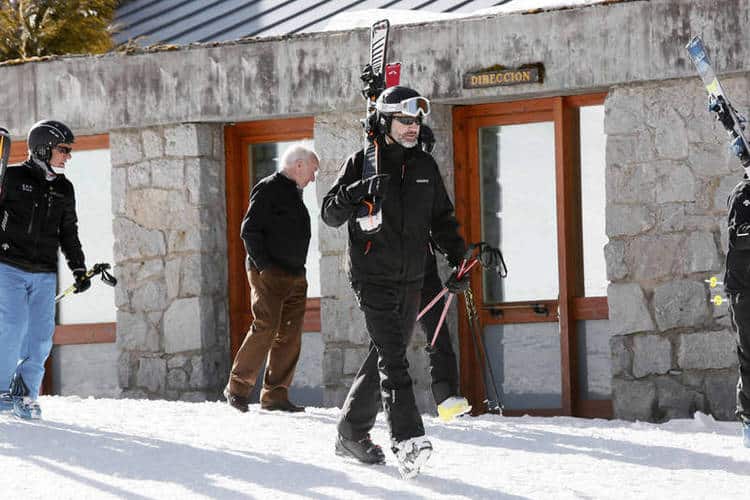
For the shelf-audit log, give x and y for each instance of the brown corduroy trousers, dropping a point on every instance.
(277, 300)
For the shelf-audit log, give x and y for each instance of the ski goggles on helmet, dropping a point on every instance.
(414, 106)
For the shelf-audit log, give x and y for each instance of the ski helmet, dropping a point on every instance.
(402, 100)
(45, 135)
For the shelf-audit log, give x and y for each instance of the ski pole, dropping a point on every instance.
(100, 268)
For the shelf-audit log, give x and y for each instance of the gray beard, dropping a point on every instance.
(407, 144)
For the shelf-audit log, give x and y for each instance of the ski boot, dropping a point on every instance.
(746, 433)
(27, 408)
(412, 454)
(363, 450)
(453, 407)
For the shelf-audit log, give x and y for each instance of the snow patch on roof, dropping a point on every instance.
(365, 18)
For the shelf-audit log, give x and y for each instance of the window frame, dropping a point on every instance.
(572, 304)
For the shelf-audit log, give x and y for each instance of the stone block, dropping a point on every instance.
(182, 326)
(680, 303)
(622, 356)
(333, 366)
(614, 254)
(177, 379)
(139, 175)
(172, 276)
(168, 173)
(125, 147)
(701, 252)
(636, 148)
(707, 350)
(153, 142)
(654, 257)
(675, 182)
(119, 179)
(205, 181)
(630, 183)
(628, 311)
(191, 275)
(723, 190)
(652, 354)
(633, 399)
(152, 374)
(149, 296)
(721, 393)
(188, 139)
(133, 333)
(624, 112)
(709, 159)
(674, 400)
(184, 240)
(625, 220)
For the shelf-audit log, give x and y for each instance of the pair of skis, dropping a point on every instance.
(377, 76)
(718, 102)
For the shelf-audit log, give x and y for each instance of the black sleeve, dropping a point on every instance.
(444, 228)
(69, 242)
(739, 226)
(253, 226)
(337, 208)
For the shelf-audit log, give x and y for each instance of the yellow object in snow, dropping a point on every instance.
(453, 407)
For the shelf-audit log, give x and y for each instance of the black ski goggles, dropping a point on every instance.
(414, 106)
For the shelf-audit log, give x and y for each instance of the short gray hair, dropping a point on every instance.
(302, 150)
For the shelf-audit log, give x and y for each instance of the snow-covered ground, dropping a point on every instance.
(87, 448)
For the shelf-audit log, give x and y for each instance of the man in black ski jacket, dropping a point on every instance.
(37, 216)
(737, 285)
(386, 269)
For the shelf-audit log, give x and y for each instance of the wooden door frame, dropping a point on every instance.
(571, 305)
(237, 138)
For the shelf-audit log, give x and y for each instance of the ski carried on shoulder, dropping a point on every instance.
(718, 101)
(377, 76)
(4, 156)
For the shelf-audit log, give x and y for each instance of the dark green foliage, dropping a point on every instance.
(36, 28)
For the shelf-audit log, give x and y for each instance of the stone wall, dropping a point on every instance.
(669, 172)
(342, 323)
(168, 200)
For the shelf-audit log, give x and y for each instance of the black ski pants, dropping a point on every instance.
(443, 365)
(739, 313)
(390, 316)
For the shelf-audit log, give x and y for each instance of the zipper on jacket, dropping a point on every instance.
(31, 220)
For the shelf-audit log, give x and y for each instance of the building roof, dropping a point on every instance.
(179, 22)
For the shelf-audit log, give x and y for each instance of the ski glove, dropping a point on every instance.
(375, 185)
(455, 285)
(82, 282)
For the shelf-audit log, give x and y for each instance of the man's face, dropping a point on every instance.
(307, 169)
(60, 154)
(405, 129)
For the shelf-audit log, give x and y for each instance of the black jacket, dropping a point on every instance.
(737, 277)
(276, 227)
(37, 217)
(416, 206)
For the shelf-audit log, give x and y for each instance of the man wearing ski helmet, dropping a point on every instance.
(37, 216)
(386, 269)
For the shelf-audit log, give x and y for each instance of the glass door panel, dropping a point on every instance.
(517, 176)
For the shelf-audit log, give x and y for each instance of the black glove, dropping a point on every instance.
(375, 185)
(82, 282)
(426, 139)
(455, 285)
